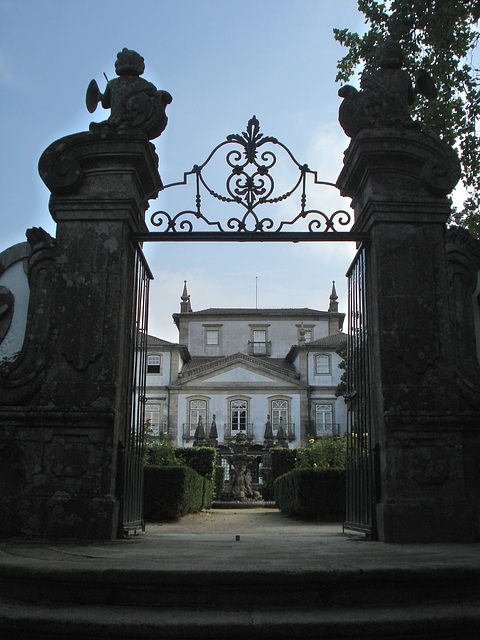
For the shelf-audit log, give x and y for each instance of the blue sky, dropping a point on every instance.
(223, 61)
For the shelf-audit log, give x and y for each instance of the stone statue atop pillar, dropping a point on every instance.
(385, 96)
(135, 103)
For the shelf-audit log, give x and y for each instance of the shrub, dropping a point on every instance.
(307, 493)
(325, 453)
(161, 452)
(219, 481)
(283, 460)
(201, 459)
(267, 487)
(207, 496)
(172, 492)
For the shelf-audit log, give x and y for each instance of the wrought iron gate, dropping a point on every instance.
(248, 185)
(133, 454)
(359, 515)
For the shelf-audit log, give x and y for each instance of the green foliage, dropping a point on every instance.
(439, 37)
(283, 460)
(306, 493)
(327, 452)
(202, 459)
(207, 496)
(219, 483)
(161, 452)
(172, 492)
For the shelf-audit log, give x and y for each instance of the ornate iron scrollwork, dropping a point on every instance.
(249, 185)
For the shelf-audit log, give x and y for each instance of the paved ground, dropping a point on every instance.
(267, 541)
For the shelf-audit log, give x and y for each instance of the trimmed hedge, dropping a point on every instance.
(311, 494)
(207, 497)
(283, 461)
(219, 484)
(267, 488)
(172, 492)
(202, 459)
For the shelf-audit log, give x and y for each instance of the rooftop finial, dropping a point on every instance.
(333, 306)
(185, 306)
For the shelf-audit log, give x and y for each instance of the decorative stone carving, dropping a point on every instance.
(240, 477)
(213, 432)
(268, 435)
(23, 377)
(200, 437)
(135, 103)
(7, 303)
(463, 259)
(385, 95)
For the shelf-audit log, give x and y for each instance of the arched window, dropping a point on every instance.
(323, 419)
(197, 411)
(238, 415)
(280, 411)
(153, 419)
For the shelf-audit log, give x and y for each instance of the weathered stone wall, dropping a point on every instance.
(64, 402)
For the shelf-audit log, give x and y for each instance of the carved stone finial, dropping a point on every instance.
(385, 96)
(333, 305)
(185, 305)
(135, 103)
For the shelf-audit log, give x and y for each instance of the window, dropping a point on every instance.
(280, 411)
(226, 466)
(153, 419)
(308, 335)
(322, 365)
(154, 364)
(238, 415)
(197, 412)
(259, 344)
(323, 419)
(212, 336)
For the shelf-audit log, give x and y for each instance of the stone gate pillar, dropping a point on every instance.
(67, 412)
(399, 181)
(64, 401)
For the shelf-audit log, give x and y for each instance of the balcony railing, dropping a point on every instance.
(259, 348)
(319, 430)
(155, 430)
(289, 428)
(232, 430)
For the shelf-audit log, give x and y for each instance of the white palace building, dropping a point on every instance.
(269, 373)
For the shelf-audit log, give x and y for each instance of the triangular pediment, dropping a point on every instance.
(236, 370)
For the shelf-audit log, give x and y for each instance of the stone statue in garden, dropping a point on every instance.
(135, 103)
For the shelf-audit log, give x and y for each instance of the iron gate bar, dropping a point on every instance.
(246, 236)
(133, 454)
(359, 472)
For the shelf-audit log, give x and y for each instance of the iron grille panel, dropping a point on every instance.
(132, 502)
(359, 516)
(240, 172)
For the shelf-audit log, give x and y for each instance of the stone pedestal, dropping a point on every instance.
(399, 181)
(68, 428)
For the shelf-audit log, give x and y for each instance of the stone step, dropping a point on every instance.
(242, 589)
(76, 622)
